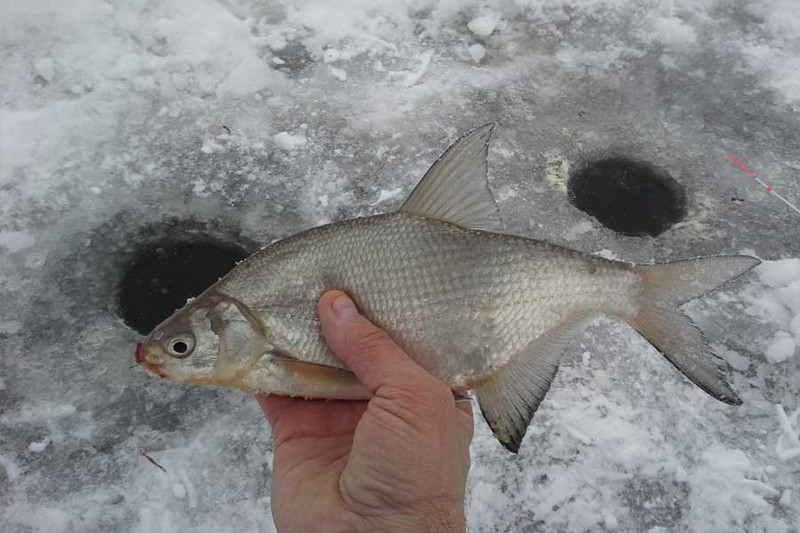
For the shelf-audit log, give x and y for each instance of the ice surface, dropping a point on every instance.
(269, 118)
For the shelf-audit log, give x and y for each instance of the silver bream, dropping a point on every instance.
(481, 311)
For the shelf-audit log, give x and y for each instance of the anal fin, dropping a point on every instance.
(509, 398)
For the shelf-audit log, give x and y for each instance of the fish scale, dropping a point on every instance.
(456, 299)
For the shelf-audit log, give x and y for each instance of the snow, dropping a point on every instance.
(788, 446)
(263, 119)
(578, 229)
(779, 273)
(338, 73)
(388, 195)
(37, 447)
(781, 348)
(476, 52)
(779, 302)
(484, 25)
(286, 141)
(14, 241)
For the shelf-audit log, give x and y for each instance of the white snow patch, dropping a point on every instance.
(388, 195)
(10, 327)
(39, 446)
(210, 146)
(476, 52)
(788, 446)
(45, 68)
(11, 468)
(286, 141)
(506, 192)
(15, 241)
(781, 348)
(484, 25)
(671, 32)
(584, 226)
(728, 482)
(734, 359)
(338, 73)
(779, 273)
(250, 76)
(794, 327)
(610, 521)
(605, 253)
(778, 303)
(776, 59)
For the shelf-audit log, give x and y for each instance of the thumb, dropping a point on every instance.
(367, 350)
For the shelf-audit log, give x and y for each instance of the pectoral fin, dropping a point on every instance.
(510, 397)
(312, 380)
(455, 189)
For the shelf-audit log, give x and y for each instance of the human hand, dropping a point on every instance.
(397, 462)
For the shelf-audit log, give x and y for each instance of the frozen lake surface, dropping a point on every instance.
(127, 127)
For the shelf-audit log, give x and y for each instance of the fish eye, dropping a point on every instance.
(180, 346)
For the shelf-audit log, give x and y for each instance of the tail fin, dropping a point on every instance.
(664, 288)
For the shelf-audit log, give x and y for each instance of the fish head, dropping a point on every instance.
(212, 340)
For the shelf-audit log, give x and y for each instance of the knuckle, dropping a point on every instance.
(365, 339)
(423, 398)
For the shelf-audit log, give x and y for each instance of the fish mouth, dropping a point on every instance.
(141, 351)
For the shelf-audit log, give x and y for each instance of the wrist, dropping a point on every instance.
(432, 519)
(447, 520)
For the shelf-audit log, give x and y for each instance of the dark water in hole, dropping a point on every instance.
(164, 275)
(628, 196)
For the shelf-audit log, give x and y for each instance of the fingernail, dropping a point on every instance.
(343, 307)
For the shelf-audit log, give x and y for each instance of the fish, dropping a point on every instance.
(483, 311)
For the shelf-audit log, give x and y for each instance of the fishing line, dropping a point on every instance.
(768, 187)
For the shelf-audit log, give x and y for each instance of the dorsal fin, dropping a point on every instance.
(455, 189)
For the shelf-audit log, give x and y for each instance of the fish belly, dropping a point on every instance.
(462, 303)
